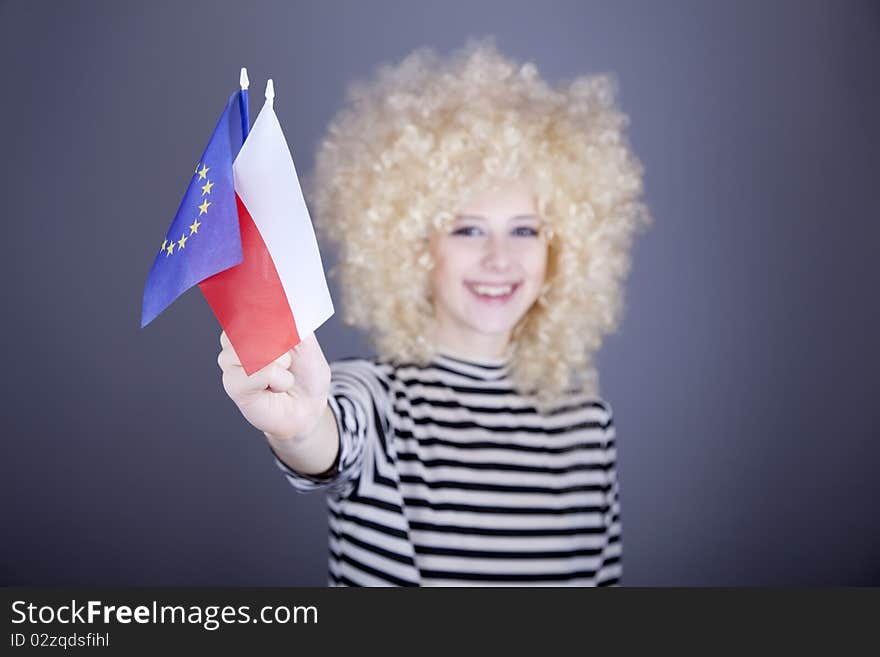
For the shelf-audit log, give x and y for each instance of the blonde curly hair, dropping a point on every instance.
(426, 133)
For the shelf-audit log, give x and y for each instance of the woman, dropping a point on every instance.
(484, 220)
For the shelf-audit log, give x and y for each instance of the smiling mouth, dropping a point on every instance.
(493, 292)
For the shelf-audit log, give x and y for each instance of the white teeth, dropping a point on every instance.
(493, 290)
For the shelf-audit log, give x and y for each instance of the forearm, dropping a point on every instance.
(312, 454)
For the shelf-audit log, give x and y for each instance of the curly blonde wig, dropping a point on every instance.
(430, 131)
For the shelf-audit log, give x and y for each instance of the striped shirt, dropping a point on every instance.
(446, 476)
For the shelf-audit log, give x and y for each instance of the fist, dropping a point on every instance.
(287, 397)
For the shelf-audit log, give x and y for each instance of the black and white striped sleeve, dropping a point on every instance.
(611, 571)
(358, 402)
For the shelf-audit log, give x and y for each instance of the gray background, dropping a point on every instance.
(743, 378)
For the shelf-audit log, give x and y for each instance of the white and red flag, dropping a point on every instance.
(278, 293)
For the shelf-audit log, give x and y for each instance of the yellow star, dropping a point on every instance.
(164, 244)
(206, 188)
(194, 227)
(203, 174)
(204, 207)
(182, 240)
(170, 248)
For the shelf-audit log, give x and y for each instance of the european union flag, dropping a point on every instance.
(204, 237)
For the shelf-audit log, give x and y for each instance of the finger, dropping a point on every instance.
(280, 379)
(310, 367)
(284, 360)
(238, 383)
(307, 343)
(226, 345)
(234, 382)
(227, 359)
(308, 351)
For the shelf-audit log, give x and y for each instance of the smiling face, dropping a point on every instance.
(489, 269)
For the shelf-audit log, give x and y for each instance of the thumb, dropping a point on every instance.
(308, 364)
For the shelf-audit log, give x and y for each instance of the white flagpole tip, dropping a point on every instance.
(270, 91)
(243, 79)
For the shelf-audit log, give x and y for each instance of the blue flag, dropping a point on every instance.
(204, 237)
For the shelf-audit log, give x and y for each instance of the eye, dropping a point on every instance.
(467, 231)
(525, 231)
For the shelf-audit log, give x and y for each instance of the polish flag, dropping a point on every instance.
(278, 294)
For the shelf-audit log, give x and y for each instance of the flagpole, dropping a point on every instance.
(243, 103)
(270, 92)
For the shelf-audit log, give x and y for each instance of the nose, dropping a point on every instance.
(497, 256)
